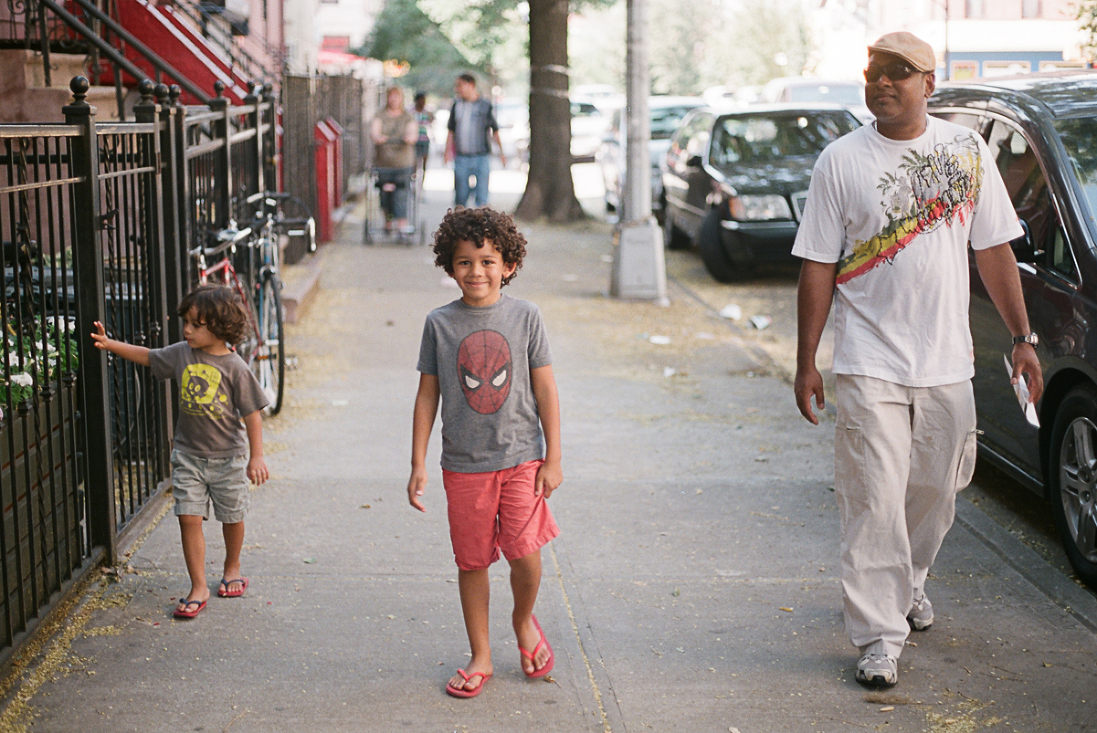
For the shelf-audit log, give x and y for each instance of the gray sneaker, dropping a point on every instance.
(920, 615)
(878, 670)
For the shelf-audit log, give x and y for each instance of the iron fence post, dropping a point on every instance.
(159, 219)
(88, 260)
(255, 120)
(187, 238)
(175, 246)
(270, 148)
(222, 131)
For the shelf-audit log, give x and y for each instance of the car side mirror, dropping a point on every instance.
(694, 161)
(1023, 247)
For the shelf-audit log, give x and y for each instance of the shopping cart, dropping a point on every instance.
(393, 189)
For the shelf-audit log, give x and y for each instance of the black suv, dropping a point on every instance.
(1042, 132)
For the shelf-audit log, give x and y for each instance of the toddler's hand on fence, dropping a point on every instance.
(257, 471)
(549, 476)
(416, 485)
(100, 336)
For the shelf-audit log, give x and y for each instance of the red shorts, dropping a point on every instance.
(494, 511)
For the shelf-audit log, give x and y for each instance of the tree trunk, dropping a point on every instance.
(550, 192)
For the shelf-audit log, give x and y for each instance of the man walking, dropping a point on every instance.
(472, 127)
(890, 212)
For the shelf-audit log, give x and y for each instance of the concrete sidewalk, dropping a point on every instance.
(693, 587)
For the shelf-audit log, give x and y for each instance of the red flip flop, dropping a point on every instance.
(538, 673)
(225, 592)
(187, 612)
(461, 692)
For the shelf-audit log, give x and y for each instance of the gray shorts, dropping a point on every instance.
(196, 481)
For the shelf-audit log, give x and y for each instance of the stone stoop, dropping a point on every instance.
(300, 282)
(25, 98)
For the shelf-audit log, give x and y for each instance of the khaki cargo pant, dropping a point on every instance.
(900, 456)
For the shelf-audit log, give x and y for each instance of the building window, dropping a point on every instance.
(1031, 8)
(973, 9)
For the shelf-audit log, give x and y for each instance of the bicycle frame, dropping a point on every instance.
(226, 275)
(260, 292)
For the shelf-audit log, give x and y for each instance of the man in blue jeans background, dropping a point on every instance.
(472, 127)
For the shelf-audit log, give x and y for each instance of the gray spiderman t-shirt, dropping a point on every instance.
(215, 392)
(482, 358)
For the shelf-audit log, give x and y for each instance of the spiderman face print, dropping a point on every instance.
(483, 366)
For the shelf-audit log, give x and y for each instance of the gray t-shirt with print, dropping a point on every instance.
(482, 358)
(215, 392)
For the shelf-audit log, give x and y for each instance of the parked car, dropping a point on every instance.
(512, 115)
(1042, 132)
(806, 89)
(588, 127)
(665, 114)
(735, 183)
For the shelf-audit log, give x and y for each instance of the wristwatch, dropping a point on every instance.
(1031, 338)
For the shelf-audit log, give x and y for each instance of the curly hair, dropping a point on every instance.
(218, 307)
(479, 226)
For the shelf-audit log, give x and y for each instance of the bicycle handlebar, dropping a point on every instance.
(224, 239)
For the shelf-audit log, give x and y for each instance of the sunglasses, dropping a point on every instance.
(896, 71)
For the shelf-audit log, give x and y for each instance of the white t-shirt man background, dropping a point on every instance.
(897, 215)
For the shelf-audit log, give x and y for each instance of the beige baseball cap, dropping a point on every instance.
(909, 48)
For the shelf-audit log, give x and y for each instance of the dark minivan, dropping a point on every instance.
(1042, 132)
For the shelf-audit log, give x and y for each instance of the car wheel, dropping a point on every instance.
(673, 238)
(1072, 485)
(715, 256)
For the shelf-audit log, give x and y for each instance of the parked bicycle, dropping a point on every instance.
(260, 288)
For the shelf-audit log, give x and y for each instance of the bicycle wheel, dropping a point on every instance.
(268, 362)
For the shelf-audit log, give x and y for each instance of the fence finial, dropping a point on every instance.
(219, 88)
(79, 87)
(175, 91)
(147, 88)
(162, 94)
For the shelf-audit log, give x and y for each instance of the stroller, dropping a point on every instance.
(392, 191)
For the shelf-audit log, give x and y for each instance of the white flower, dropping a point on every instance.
(23, 380)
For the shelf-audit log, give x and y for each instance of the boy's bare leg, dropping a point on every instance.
(194, 553)
(475, 586)
(234, 543)
(525, 582)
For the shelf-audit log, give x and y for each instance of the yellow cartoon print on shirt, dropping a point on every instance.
(198, 395)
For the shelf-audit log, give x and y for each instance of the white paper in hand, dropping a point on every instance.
(1021, 390)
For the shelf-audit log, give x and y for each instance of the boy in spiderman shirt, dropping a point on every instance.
(486, 356)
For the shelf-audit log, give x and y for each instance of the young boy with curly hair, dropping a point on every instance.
(486, 357)
(209, 459)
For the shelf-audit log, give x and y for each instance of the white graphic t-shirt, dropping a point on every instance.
(897, 216)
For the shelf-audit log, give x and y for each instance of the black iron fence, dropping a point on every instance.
(306, 101)
(97, 220)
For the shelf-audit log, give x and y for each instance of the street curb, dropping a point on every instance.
(1058, 587)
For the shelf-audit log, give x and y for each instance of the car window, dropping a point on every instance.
(968, 120)
(584, 109)
(665, 120)
(697, 135)
(1016, 161)
(1079, 138)
(1059, 257)
(759, 138)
